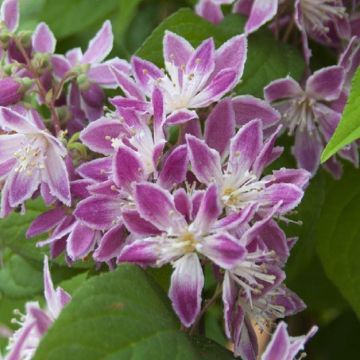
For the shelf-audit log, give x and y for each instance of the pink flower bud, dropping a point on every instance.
(10, 91)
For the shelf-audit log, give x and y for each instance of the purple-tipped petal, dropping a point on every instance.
(223, 250)
(245, 147)
(209, 210)
(247, 108)
(98, 169)
(141, 252)
(326, 84)
(307, 150)
(98, 135)
(232, 55)
(236, 219)
(210, 11)
(205, 162)
(298, 177)
(145, 73)
(13, 121)
(99, 212)
(180, 117)
(246, 345)
(202, 60)
(220, 127)
(45, 222)
(136, 224)
(127, 168)
(187, 282)
(261, 12)
(127, 85)
(183, 203)
(80, 242)
(111, 244)
(60, 65)
(278, 347)
(43, 39)
(175, 167)
(177, 50)
(56, 176)
(100, 46)
(282, 89)
(156, 206)
(10, 14)
(229, 297)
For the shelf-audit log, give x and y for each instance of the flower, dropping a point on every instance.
(36, 321)
(86, 96)
(30, 157)
(284, 347)
(193, 78)
(307, 113)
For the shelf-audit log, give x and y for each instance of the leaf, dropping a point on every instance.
(348, 129)
(67, 17)
(122, 315)
(267, 59)
(338, 235)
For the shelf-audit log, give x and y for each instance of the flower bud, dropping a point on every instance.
(94, 96)
(10, 91)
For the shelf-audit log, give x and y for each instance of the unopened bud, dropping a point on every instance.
(94, 95)
(10, 91)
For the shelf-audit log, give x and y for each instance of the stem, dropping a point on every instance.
(288, 31)
(208, 304)
(42, 90)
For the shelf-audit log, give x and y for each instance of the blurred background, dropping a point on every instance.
(74, 22)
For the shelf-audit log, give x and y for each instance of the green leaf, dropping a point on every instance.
(348, 129)
(267, 58)
(67, 17)
(338, 235)
(122, 315)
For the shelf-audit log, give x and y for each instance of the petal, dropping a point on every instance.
(223, 250)
(45, 222)
(60, 65)
(145, 73)
(127, 85)
(177, 50)
(279, 345)
(205, 162)
(80, 242)
(10, 14)
(298, 177)
(123, 103)
(246, 345)
(22, 186)
(97, 135)
(220, 127)
(43, 39)
(106, 188)
(183, 203)
(209, 210)
(232, 55)
(187, 282)
(111, 244)
(247, 108)
(282, 89)
(261, 12)
(245, 147)
(174, 169)
(100, 46)
(235, 220)
(229, 297)
(156, 206)
(56, 176)
(210, 11)
(157, 101)
(326, 84)
(180, 117)
(136, 224)
(141, 252)
(307, 150)
(220, 84)
(13, 121)
(79, 188)
(98, 169)
(202, 60)
(9, 144)
(127, 168)
(99, 212)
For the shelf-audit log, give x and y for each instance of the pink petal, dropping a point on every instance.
(205, 162)
(100, 46)
(247, 108)
(97, 135)
(60, 65)
(174, 169)
(282, 89)
(180, 117)
(183, 203)
(10, 14)
(220, 127)
(210, 11)
(13, 121)
(202, 60)
(177, 50)
(326, 84)
(80, 242)
(187, 282)
(136, 224)
(245, 147)
(261, 12)
(156, 206)
(43, 40)
(98, 169)
(141, 252)
(98, 212)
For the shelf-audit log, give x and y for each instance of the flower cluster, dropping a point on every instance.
(173, 169)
